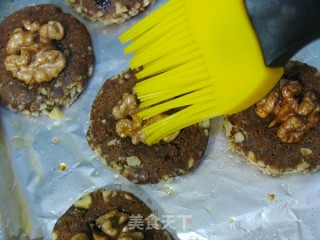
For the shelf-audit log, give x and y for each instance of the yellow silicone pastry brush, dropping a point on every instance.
(208, 58)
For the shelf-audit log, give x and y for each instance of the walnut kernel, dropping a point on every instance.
(53, 30)
(130, 125)
(31, 60)
(114, 224)
(295, 117)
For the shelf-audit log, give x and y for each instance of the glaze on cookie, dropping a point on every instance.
(132, 158)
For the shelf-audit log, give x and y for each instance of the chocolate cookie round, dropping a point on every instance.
(29, 25)
(109, 214)
(259, 142)
(109, 11)
(141, 163)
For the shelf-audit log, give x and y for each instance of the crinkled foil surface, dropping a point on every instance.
(224, 198)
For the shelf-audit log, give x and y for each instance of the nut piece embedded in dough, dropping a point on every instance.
(295, 117)
(80, 236)
(31, 55)
(84, 202)
(133, 161)
(239, 137)
(305, 151)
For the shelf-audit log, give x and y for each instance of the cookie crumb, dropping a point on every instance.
(56, 113)
(271, 197)
(62, 167)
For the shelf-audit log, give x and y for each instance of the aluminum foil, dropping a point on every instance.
(224, 198)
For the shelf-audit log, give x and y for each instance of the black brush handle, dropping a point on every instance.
(284, 27)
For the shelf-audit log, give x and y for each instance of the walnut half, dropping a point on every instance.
(130, 124)
(31, 56)
(114, 225)
(295, 117)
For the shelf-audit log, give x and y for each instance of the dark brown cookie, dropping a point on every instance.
(109, 11)
(62, 90)
(141, 163)
(109, 214)
(252, 137)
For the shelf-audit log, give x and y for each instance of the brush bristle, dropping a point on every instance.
(174, 68)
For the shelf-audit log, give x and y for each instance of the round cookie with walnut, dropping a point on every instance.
(280, 134)
(109, 11)
(115, 135)
(46, 58)
(109, 214)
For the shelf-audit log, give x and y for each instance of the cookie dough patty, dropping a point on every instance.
(109, 11)
(250, 136)
(140, 163)
(109, 214)
(75, 46)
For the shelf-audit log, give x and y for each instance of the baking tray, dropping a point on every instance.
(224, 198)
